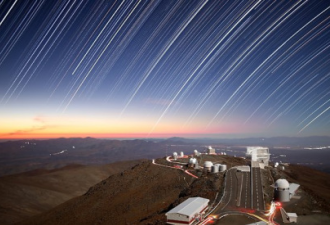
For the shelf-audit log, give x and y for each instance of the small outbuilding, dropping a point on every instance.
(288, 217)
(188, 211)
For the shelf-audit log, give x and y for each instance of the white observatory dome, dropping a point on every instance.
(282, 183)
(208, 164)
(192, 161)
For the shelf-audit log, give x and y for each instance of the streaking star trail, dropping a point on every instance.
(163, 68)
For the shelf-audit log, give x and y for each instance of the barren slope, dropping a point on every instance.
(27, 194)
(314, 182)
(126, 198)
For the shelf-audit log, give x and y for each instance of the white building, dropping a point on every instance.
(210, 150)
(207, 166)
(281, 192)
(284, 190)
(289, 217)
(293, 188)
(192, 162)
(188, 211)
(259, 156)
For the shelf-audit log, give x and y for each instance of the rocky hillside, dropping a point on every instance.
(130, 197)
(140, 195)
(313, 182)
(30, 193)
(145, 192)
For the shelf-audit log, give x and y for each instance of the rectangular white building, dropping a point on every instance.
(259, 156)
(188, 211)
(210, 150)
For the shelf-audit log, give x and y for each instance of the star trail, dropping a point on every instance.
(163, 68)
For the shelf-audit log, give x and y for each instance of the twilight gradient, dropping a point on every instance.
(164, 68)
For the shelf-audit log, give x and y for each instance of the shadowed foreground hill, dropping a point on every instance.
(314, 182)
(30, 193)
(124, 198)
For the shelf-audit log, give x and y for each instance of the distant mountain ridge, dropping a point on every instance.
(24, 155)
(271, 142)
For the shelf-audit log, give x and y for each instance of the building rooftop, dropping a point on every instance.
(282, 183)
(292, 214)
(189, 207)
(293, 187)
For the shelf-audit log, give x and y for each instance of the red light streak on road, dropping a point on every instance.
(208, 220)
(272, 212)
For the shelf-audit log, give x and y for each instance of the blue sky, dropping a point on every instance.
(164, 68)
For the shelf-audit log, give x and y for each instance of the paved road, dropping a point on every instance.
(246, 190)
(238, 194)
(229, 199)
(257, 194)
(241, 194)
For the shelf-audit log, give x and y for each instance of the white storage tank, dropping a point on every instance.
(181, 154)
(218, 165)
(175, 155)
(208, 165)
(215, 168)
(222, 167)
(195, 153)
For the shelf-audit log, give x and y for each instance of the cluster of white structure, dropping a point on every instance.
(193, 209)
(214, 168)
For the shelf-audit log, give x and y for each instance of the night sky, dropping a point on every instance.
(164, 68)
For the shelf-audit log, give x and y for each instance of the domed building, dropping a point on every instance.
(207, 166)
(192, 162)
(282, 191)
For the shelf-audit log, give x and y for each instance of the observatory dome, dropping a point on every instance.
(208, 164)
(192, 161)
(282, 183)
